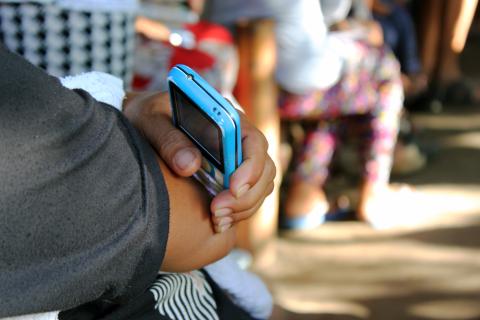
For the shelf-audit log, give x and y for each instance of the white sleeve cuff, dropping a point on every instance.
(101, 86)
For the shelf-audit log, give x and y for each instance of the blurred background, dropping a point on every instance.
(372, 112)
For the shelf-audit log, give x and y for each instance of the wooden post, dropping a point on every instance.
(256, 91)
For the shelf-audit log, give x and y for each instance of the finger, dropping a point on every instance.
(254, 147)
(223, 224)
(174, 147)
(260, 191)
(242, 215)
(225, 203)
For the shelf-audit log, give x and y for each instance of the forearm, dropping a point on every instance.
(192, 241)
(83, 196)
(152, 29)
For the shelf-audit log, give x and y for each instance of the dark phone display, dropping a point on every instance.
(200, 128)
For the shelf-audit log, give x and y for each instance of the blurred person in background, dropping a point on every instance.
(443, 31)
(393, 28)
(399, 34)
(173, 32)
(337, 83)
(333, 83)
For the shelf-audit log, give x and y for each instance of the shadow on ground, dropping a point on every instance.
(425, 268)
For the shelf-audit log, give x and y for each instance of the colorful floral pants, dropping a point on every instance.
(365, 102)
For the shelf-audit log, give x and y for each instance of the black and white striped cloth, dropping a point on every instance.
(172, 296)
(67, 41)
(184, 296)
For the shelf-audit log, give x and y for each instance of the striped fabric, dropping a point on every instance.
(184, 296)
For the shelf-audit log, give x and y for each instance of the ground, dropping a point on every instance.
(423, 264)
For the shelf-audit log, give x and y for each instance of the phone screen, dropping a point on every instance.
(196, 124)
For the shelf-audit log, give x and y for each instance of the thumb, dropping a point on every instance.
(149, 112)
(175, 148)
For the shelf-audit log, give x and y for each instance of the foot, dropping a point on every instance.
(380, 205)
(304, 198)
(456, 92)
(414, 83)
(407, 159)
(372, 202)
(462, 92)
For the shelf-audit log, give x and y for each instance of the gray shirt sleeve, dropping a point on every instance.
(83, 205)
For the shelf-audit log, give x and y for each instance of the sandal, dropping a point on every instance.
(341, 214)
(460, 92)
(308, 221)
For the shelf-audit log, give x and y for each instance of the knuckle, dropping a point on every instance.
(260, 138)
(215, 221)
(250, 202)
(247, 202)
(171, 141)
(272, 168)
(270, 188)
(244, 215)
(263, 140)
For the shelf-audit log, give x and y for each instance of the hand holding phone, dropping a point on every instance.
(210, 122)
(251, 182)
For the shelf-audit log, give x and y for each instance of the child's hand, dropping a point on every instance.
(381, 8)
(151, 114)
(250, 184)
(374, 33)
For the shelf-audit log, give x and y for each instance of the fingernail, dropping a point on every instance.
(223, 212)
(242, 190)
(225, 227)
(184, 158)
(225, 221)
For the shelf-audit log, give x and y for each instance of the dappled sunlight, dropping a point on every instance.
(348, 269)
(344, 278)
(305, 305)
(448, 121)
(427, 204)
(462, 25)
(463, 140)
(447, 309)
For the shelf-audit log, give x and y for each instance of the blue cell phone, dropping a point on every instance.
(211, 122)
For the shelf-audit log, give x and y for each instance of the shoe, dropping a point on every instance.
(460, 93)
(341, 214)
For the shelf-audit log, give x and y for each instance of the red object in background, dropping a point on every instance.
(140, 82)
(210, 31)
(195, 58)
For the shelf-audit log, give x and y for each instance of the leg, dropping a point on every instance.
(305, 196)
(305, 193)
(407, 51)
(414, 81)
(374, 118)
(430, 27)
(381, 129)
(391, 34)
(457, 19)
(370, 86)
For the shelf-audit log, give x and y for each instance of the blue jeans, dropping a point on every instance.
(399, 34)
